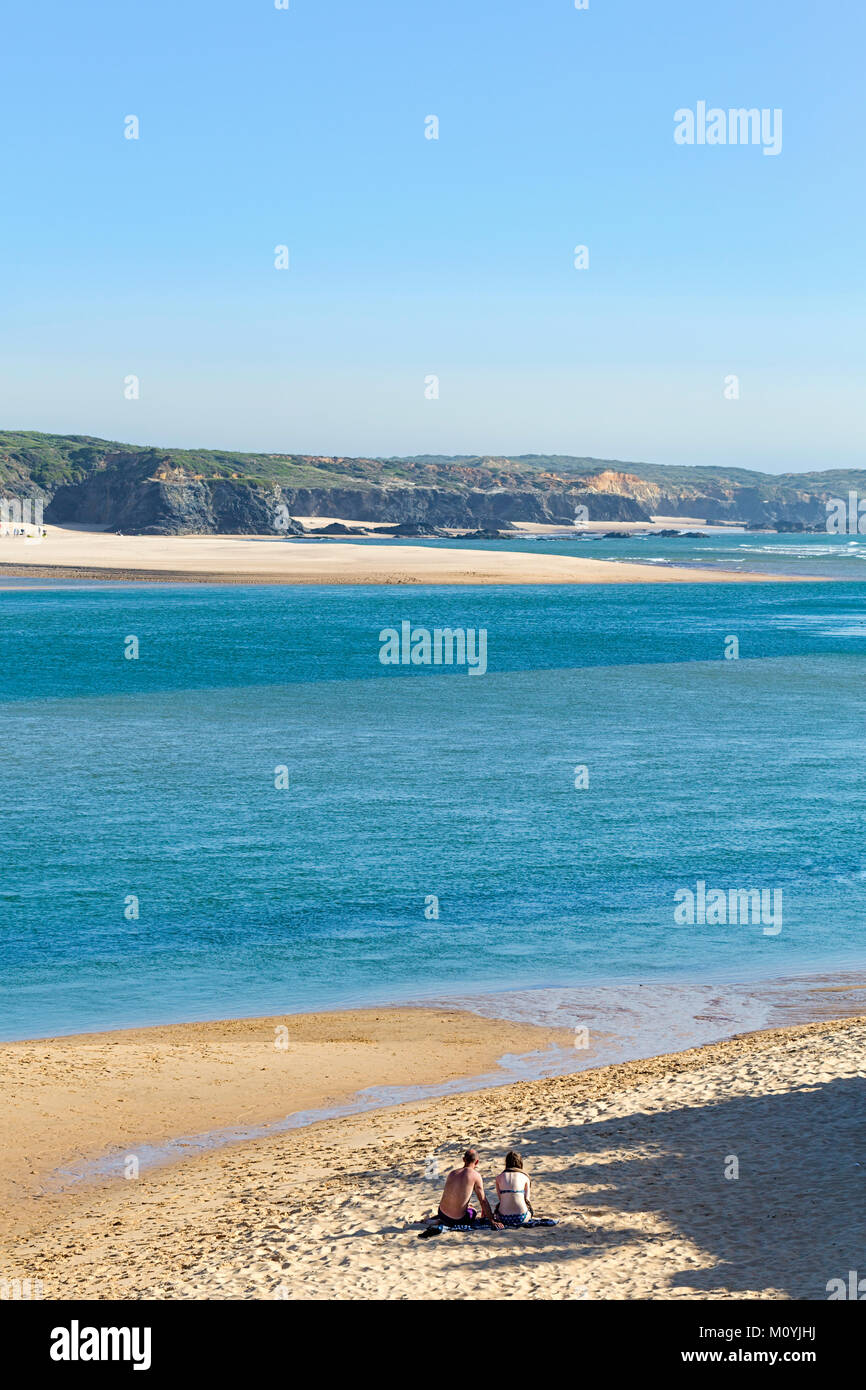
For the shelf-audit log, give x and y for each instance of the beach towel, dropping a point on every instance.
(508, 1222)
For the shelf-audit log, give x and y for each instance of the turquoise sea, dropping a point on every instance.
(831, 556)
(152, 871)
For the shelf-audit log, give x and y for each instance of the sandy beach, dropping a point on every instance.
(80, 553)
(78, 1096)
(730, 1170)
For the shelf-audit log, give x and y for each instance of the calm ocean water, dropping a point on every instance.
(154, 779)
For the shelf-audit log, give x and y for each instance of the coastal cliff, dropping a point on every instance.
(146, 490)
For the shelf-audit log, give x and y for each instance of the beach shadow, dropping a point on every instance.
(790, 1221)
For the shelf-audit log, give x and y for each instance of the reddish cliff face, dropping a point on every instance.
(716, 499)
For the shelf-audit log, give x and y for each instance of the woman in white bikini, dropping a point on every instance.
(512, 1189)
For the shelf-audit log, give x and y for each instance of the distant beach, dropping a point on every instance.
(81, 553)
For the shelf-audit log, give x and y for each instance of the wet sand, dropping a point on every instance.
(72, 1099)
(729, 1170)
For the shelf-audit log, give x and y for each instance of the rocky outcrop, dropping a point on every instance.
(141, 497)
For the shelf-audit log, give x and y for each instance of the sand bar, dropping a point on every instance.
(78, 553)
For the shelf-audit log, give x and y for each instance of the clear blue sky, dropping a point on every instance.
(412, 257)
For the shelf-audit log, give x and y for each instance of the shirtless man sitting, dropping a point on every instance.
(461, 1183)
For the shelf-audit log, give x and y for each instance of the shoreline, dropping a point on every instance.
(581, 571)
(630, 1157)
(214, 1089)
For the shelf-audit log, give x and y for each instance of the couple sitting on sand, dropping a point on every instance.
(513, 1207)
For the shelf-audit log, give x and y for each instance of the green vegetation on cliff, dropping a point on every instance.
(168, 490)
(49, 460)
